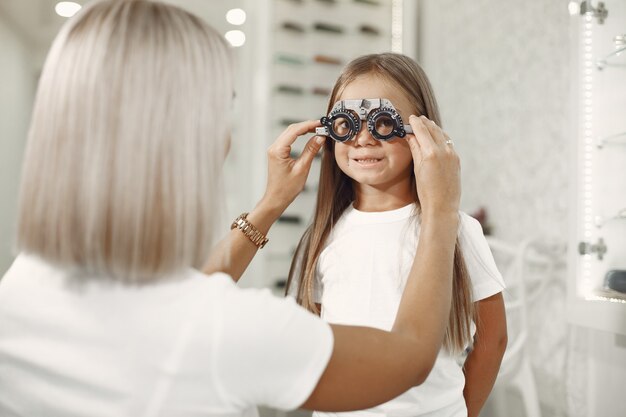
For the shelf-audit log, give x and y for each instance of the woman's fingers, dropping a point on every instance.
(435, 131)
(311, 149)
(286, 175)
(436, 166)
(291, 133)
(427, 133)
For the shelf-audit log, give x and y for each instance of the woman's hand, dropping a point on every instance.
(285, 180)
(437, 167)
(286, 175)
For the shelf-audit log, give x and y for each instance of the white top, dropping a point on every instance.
(191, 345)
(360, 277)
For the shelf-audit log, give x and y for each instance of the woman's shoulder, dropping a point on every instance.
(216, 279)
(232, 295)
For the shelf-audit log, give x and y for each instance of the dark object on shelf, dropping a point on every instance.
(368, 2)
(369, 30)
(289, 89)
(321, 91)
(481, 216)
(616, 280)
(280, 283)
(290, 59)
(325, 59)
(286, 121)
(290, 218)
(327, 27)
(293, 27)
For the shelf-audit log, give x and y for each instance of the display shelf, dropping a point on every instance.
(616, 59)
(601, 221)
(616, 139)
(608, 295)
(598, 233)
(311, 41)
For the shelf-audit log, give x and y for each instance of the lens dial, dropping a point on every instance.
(342, 125)
(385, 123)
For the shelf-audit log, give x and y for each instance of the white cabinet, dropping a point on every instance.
(598, 241)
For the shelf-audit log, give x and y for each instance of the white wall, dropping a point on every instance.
(17, 84)
(502, 72)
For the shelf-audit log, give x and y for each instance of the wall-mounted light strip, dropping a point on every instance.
(396, 26)
(586, 162)
(607, 298)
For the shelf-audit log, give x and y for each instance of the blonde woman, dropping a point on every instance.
(105, 310)
(360, 246)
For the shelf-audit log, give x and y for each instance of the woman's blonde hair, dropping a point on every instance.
(122, 168)
(336, 193)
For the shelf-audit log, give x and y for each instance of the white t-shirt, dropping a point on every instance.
(360, 277)
(190, 345)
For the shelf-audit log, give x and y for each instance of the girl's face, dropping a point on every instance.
(370, 162)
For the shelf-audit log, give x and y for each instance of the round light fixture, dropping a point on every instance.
(574, 8)
(236, 17)
(235, 37)
(67, 8)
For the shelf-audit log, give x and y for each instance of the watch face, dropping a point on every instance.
(239, 221)
(385, 124)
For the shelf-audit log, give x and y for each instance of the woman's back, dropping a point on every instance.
(101, 348)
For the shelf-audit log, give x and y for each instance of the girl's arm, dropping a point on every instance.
(370, 366)
(483, 363)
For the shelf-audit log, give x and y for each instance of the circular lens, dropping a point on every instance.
(384, 125)
(342, 126)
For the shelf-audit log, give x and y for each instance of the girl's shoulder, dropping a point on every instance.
(469, 226)
(481, 266)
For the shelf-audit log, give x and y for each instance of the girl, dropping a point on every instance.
(352, 262)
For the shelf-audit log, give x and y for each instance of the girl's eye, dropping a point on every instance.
(341, 127)
(384, 125)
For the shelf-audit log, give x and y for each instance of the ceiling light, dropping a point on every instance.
(67, 8)
(235, 37)
(236, 17)
(574, 8)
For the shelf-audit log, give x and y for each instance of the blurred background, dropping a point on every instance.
(533, 94)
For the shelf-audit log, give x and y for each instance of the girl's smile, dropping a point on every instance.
(365, 160)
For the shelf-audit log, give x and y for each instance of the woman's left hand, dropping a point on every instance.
(286, 175)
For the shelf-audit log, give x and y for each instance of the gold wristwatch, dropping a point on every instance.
(248, 229)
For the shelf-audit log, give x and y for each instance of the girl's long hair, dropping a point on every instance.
(336, 193)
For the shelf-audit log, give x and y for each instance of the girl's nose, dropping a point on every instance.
(363, 137)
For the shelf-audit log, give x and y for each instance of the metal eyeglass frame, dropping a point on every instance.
(357, 110)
